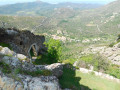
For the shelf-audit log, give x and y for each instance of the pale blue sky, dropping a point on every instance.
(3, 2)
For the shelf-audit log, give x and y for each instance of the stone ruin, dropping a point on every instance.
(23, 42)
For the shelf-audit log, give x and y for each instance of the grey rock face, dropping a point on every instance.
(26, 82)
(29, 83)
(12, 61)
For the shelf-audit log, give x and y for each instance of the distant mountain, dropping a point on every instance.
(77, 20)
(40, 8)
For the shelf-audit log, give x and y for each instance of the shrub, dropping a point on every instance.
(5, 45)
(54, 50)
(85, 61)
(112, 44)
(114, 70)
(100, 63)
(53, 54)
(82, 64)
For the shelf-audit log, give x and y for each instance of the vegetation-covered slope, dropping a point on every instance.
(40, 8)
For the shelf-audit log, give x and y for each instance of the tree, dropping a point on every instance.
(54, 50)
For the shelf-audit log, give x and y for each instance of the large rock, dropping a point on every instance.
(21, 56)
(56, 68)
(6, 51)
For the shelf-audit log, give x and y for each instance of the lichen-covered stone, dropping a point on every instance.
(21, 56)
(29, 83)
(6, 51)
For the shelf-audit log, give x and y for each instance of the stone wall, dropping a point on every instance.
(106, 76)
(22, 41)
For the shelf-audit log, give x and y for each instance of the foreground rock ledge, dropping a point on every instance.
(26, 82)
(29, 83)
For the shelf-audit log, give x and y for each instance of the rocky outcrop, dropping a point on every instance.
(112, 53)
(57, 69)
(28, 83)
(19, 60)
(25, 82)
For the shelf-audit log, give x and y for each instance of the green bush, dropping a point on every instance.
(54, 50)
(5, 45)
(100, 63)
(82, 64)
(114, 70)
(85, 61)
(112, 44)
(53, 54)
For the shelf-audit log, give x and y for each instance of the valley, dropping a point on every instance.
(88, 33)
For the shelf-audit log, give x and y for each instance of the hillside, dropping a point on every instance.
(66, 45)
(39, 8)
(74, 26)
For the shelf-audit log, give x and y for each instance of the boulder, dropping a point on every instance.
(57, 69)
(6, 51)
(21, 56)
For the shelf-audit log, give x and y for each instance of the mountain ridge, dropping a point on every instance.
(38, 8)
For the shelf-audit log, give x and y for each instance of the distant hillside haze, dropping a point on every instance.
(72, 20)
(41, 8)
(5, 2)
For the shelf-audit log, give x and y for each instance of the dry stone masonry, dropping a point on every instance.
(22, 41)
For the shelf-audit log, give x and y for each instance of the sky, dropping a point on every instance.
(3, 2)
